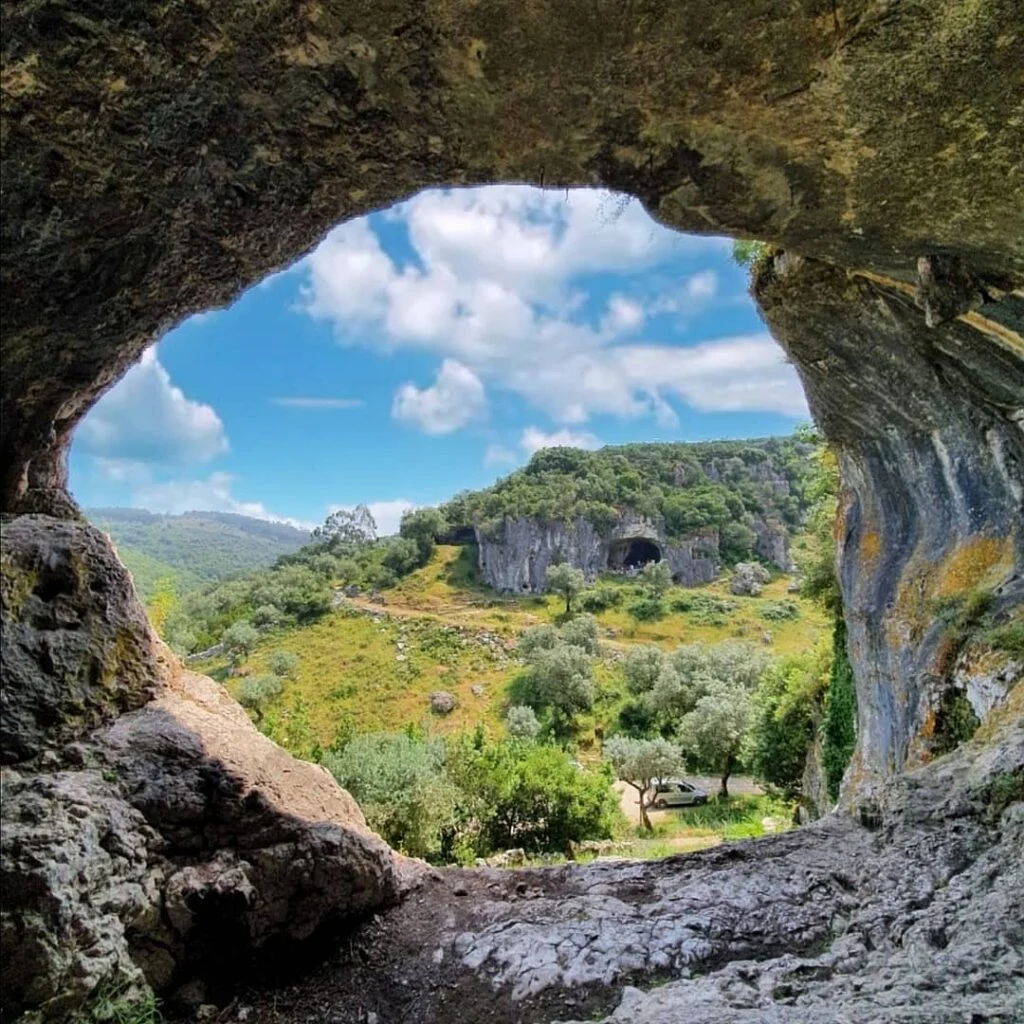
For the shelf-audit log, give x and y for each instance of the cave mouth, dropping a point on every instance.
(633, 553)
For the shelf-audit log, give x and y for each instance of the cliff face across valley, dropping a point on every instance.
(693, 506)
(159, 159)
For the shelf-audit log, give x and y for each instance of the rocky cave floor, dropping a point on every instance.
(917, 916)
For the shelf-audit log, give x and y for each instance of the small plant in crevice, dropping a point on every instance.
(955, 721)
(1003, 789)
(119, 1002)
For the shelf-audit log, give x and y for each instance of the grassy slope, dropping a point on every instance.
(350, 663)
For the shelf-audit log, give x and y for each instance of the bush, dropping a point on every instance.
(283, 663)
(779, 611)
(642, 667)
(401, 786)
(239, 641)
(599, 599)
(581, 632)
(647, 609)
(521, 722)
(256, 692)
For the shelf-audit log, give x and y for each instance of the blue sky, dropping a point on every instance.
(431, 348)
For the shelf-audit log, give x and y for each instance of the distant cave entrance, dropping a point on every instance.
(633, 553)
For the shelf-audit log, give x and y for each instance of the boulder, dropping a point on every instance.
(748, 579)
(150, 833)
(442, 702)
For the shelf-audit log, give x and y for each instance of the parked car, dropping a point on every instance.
(677, 793)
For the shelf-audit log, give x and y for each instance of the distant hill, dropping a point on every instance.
(195, 547)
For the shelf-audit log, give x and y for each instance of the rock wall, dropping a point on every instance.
(150, 834)
(928, 424)
(515, 556)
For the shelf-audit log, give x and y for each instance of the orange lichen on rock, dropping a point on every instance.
(977, 562)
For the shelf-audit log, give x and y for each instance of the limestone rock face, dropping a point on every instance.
(931, 456)
(77, 649)
(169, 840)
(123, 133)
(516, 555)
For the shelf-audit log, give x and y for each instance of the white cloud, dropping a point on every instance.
(499, 455)
(455, 398)
(210, 495)
(491, 290)
(309, 402)
(533, 439)
(623, 315)
(701, 286)
(386, 514)
(144, 419)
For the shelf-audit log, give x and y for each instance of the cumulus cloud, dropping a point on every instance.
(386, 514)
(210, 495)
(310, 402)
(454, 399)
(492, 289)
(533, 439)
(144, 419)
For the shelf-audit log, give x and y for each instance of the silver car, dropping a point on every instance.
(677, 793)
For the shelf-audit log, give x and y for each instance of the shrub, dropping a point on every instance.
(256, 692)
(266, 615)
(581, 632)
(400, 783)
(642, 667)
(647, 609)
(239, 641)
(779, 611)
(283, 663)
(599, 599)
(521, 722)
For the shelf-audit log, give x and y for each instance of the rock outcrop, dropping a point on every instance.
(516, 554)
(150, 834)
(927, 423)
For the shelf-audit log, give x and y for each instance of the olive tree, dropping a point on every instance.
(239, 640)
(707, 700)
(657, 577)
(566, 581)
(642, 764)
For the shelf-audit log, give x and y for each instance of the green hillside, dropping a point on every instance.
(688, 486)
(193, 548)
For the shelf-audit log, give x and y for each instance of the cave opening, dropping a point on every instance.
(633, 553)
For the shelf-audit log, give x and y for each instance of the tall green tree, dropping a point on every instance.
(839, 731)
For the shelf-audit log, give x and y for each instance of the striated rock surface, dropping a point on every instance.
(515, 556)
(168, 842)
(927, 423)
(157, 161)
